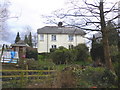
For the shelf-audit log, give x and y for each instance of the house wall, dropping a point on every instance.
(61, 40)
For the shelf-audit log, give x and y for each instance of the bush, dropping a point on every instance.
(99, 77)
(81, 52)
(61, 56)
(64, 56)
(97, 52)
(31, 53)
(43, 56)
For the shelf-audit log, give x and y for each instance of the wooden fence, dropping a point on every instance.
(20, 78)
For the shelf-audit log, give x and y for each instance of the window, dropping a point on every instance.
(41, 37)
(70, 37)
(54, 46)
(53, 37)
(71, 46)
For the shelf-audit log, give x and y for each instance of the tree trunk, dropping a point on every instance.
(104, 31)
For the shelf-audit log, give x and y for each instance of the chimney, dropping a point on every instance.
(60, 24)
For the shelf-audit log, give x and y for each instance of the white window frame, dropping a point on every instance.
(71, 46)
(70, 38)
(53, 37)
(41, 37)
(53, 46)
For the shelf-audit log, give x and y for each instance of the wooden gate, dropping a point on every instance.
(20, 78)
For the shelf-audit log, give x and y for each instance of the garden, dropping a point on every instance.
(74, 68)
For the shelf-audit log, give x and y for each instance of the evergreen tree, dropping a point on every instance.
(113, 36)
(30, 40)
(97, 52)
(113, 39)
(26, 39)
(17, 38)
(119, 44)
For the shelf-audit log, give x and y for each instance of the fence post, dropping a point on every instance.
(3, 59)
(21, 79)
(27, 72)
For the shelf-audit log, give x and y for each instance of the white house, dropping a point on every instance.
(56, 36)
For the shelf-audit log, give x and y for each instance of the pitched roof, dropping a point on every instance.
(60, 30)
(20, 43)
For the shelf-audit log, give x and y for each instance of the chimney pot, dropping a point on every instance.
(60, 24)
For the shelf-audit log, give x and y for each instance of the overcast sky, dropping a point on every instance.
(29, 12)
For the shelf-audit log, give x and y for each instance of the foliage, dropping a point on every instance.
(65, 56)
(17, 38)
(61, 56)
(117, 65)
(52, 49)
(31, 53)
(26, 39)
(119, 44)
(43, 56)
(99, 77)
(97, 52)
(81, 52)
(30, 40)
(113, 35)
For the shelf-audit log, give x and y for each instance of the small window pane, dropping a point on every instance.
(41, 37)
(71, 46)
(53, 37)
(70, 37)
(54, 46)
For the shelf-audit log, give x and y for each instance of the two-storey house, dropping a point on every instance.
(56, 36)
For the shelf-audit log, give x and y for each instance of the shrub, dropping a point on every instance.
(97, 52)
(61, 56)
(99, 77)
(31, 53)
(81, 52)
(109, 78)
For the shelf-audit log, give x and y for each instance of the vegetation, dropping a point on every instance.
(81, 52)
(31, 53)
(30, 40)
(61, 56)
(97, 52)
(97, 77)
(17, 38)
(26, 39)
(65, 56)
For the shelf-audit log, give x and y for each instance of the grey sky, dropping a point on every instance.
(30, 11)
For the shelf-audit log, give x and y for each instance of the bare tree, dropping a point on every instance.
(4, 16)
(35, 40)
(90, 16)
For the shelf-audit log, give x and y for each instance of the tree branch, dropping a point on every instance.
(79, 15)
(90, 4)
(115, 18)
(110, 9)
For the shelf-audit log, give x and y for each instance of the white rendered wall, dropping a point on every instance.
(61, 40)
